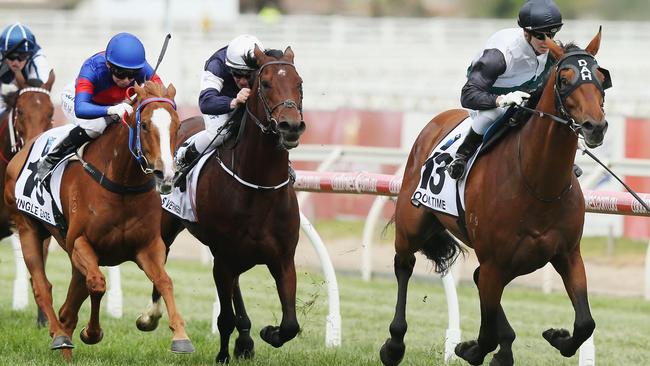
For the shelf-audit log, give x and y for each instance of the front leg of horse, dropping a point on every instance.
(224, 281)
(572, 270)
(392, 351)
(244, 345)
(490, 287)
(152, 260)
(285, 282)
(86, 262)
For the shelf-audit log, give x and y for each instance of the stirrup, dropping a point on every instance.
(457, 168)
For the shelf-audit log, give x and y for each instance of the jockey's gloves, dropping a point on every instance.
(515, 97)
(120, 109)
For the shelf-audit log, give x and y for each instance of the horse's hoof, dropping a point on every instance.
(244, 348)
(61, 342)
(147, 323)
(91, 340)
(182, 346)
(560, 339)
(222, 358)
(502, 359)
(470, 351)
(392, 353)
(271, 335)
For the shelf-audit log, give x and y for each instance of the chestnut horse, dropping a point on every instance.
(30, 112)
(112, 216)
(524, 208)
(250, 217)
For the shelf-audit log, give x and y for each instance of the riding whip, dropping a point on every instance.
(162, 52)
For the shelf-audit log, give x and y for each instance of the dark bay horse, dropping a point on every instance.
(524, 208)
(29, 113)
(112, 216)
(250, 217)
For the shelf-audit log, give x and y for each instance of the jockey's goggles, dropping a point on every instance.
(240, 73)
(20, 56)
(541, 35)
(121, 73)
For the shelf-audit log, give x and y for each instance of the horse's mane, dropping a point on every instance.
(252, 63)
(11, 97)
(521, 115)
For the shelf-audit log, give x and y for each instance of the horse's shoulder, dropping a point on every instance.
(189, 127)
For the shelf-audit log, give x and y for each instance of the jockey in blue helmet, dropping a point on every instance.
(513, 63)
(98, 92)
(19, 52)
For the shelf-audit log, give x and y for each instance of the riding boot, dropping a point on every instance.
(183, 163)
(70, 144)
(465, 151)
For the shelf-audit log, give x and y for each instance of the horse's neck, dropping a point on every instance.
(547, 150)
(257, 157)
(110, 154)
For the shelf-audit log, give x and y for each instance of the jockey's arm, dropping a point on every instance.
(83, 105)
(210, 99)
(482, 75)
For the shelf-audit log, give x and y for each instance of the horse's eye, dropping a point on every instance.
(564, 82)
(145, 127)
(266, 84)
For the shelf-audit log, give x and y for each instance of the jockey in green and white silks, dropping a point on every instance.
(513, 63)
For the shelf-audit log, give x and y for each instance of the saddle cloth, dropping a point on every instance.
(437, 190)
(183, 204)
(42, 201)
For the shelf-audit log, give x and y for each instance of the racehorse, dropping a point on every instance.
(31, 112)
(246, 205)
(112, 214)
(524, 208)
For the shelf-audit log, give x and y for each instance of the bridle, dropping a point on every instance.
(13, 138)
(271, 126)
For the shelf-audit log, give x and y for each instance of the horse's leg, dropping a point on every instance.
(152, 261)
(506, 334)
(392, 351)
(85, 260)
(224, 281)
(490, 288)
(170, 227)
(41, 319)
(284, 274)
(572, 270)
(77, 294)
(244, 345)
(31, 245)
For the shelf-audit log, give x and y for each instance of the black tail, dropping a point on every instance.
(442, 249)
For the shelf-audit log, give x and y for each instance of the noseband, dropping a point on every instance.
(135, 145)
(272, 123)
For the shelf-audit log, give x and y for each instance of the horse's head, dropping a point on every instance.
(153, 128)
(580, 89)
(33, 109)
(279, 90)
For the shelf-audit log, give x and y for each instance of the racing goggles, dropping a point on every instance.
(121, 73)
(240, 74)
(20, 56)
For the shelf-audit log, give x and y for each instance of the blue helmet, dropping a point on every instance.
(13, 35)
(126, 51)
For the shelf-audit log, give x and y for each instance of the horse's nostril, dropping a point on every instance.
(284, 126)
(588, 126)
(158, 174)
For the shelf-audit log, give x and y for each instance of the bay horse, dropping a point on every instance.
(112, 214)
(524, 208)
(30, 112)
(248, 214)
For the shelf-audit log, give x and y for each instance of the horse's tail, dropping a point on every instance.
(443, 249)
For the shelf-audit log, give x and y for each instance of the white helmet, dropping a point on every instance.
(240, 48)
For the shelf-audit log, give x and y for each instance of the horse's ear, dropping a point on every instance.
(288, 54)
(171, 91)
(260, 56)
(138, 90)
(20, 79)
(594, 45)
(50, 81)
(556, 50)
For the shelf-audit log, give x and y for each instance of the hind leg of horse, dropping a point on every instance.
(85, 261)
(152, 261)
(506, 334)
(490, 287)
(77, 294)
(170, 227)
(41, 319)
(225, 282)
(392, 351)
(244, 345)
(572, 270)
(284, 274)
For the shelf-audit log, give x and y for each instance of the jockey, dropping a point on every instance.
(224, 87)
(513, 63)
(19, 52)
(100, 92)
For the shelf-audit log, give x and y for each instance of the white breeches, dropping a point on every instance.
(94, 127)
(482, 120)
